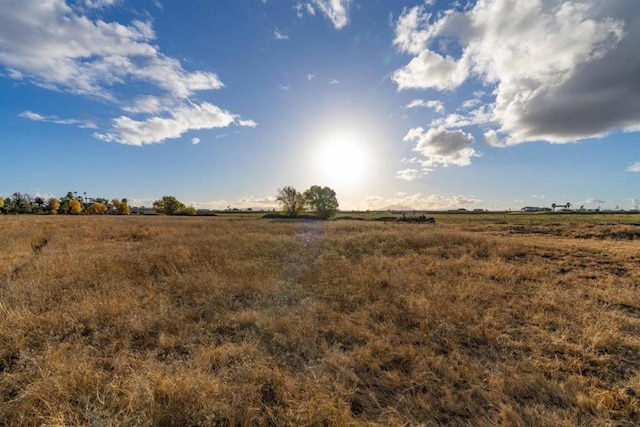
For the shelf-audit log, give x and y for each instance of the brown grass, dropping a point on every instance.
(111, 321)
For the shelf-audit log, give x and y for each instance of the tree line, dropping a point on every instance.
(319, 200)
(71, 204)
(76, 204)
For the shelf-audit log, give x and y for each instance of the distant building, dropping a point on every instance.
(531, 209)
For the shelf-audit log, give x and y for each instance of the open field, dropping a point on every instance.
(140, 321)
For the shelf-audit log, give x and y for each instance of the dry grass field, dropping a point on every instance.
(159, 321)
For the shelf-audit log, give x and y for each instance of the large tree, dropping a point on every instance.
(291, 200)
(322, 201)
(169, 205)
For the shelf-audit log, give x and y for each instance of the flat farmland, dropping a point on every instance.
(231, 321)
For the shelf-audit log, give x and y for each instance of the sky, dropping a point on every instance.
(485, 104)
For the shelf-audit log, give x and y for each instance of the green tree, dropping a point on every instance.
(291, 200)
(322, 201)
(168, 205)
(20, 203)
(186, 210)
(39, 202)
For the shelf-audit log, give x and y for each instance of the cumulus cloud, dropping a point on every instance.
(559, 70)
(57, 120)
(54, 45)
(431, 70)
(437, 106)
(634, 167)
(126, 130)
(408, 174)
(442, 147)
(195, 141)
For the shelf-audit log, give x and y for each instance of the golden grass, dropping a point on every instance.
(141, 321)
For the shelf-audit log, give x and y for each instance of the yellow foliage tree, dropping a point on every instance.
(121, 206)
(1, 203)
(75, 207)
(53, 205)
(97, 208)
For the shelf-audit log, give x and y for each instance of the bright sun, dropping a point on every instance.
(342, 160)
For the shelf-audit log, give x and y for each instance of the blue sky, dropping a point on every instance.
(422, 104)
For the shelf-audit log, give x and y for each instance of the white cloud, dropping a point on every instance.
(284, 87)
(157, 129)
(252, 201)
(195, 141)
(334, 82)
(32, 116)
(53, 45)
(479, 116)
(634, 167)
(431, 70)
(439, 146)
(419, 201)
(310, 76)
(593, 201)
(336, 10)
(57, 120)
(411, 161)
(244, 202)
(558, 70)
(247, 123)
(99, 4)
(279, 36)
(491, 138)
(146, 104)
(470, 103)
(413, 30)
(408, 174)
(437, 106)
(310, 9)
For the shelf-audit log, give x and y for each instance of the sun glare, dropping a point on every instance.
(342, 160)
